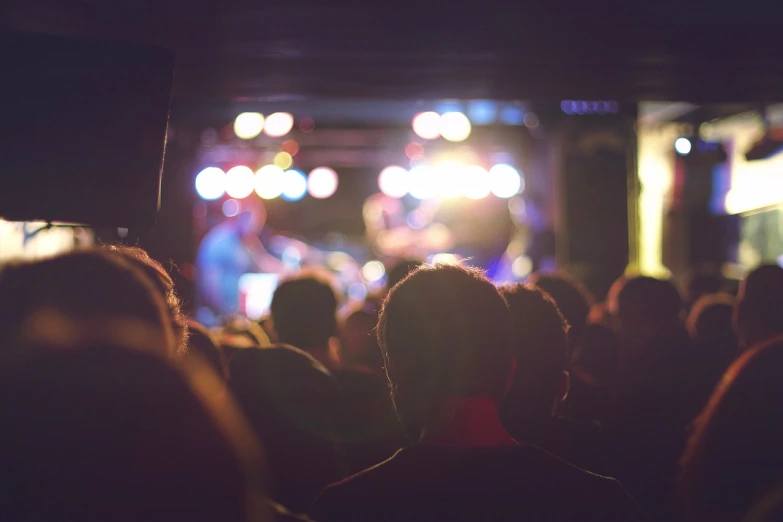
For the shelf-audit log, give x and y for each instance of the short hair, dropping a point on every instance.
(400, 271)
(304, 311)
(759, 308)
(163, 282)
(710, 319)
(444, 332)
(734, 455)
(539, 344)
(572, 297)
(87, 283)
(649, 299)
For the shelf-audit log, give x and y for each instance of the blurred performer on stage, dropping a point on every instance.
(227, 252)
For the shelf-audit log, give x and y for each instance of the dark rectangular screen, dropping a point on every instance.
(82, 130)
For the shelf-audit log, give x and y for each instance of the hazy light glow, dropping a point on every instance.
(231, 207)
(278, 124)
(322, 182)
(284, 160)
(683, 146)
(423, 182)
(505, 181)
(248, 125)
(426, 125)
(414, 150)
(452, 179)
(211, 183)
(290, 146)
(357, 291)
(294, 185)
(240, 182)
(476, 182)
(522, 266)
(455, 126)
(393, 181)
(269, 181)
(373, 271)
(445, 259)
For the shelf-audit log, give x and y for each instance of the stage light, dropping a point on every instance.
(417, 219)
(522, 266)
(505, 181)
(357, 291)
(269, 181)
(393, 181)
(445, 259)
(211, 183)
(291, 147)
(427, 125)
(278, 124)
(683, 146)
(452, 179)
(294, 185)
(322, 182)
(240, 182)
(307, 125)
(414, 150)
(531, 120)
(373, 271)
(283, 160)
(477, 182)
(423, 182)
(454, 126)
(231, 207)
(248, 125)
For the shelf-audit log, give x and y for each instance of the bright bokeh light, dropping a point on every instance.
(393, 181)
(683, 146)
(423, 182)
(373, 271)
(231, 207)
(505, 181)
(452, 179)
(414, 150)
(240, 182)
(476, 182)
(269, 181)
(357, 291)
(283, 160)
(427, 125)
(211, 183)
(248, 125)
(522, 266)
(290, 146)
(294, 185)
(278, 124)
(322, 182)
(445, 259)
(455, 126)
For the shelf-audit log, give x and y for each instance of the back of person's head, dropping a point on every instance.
(304, 312)
(163, 282)
(85, 284)
(644, 307)
(734, 455)
(571, 297)
(759, 309)
(359, 346)
(703, 282)
(710, 320)
(96, 431)
(445, 334)
(540, 348)
(596, 354)
(400, 271)
(202, 342)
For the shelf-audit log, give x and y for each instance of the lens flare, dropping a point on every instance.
(240, 182)
(211, 183)
(248, 125)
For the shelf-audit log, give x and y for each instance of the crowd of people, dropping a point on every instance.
(448, 398)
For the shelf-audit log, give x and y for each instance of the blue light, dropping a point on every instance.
(294, 185)
(565, 106)
(511, 115)
(482, 112)
(589, 107)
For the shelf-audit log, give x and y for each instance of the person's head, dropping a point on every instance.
(759, 309)
(400, 271)
(445, 334)
(571, 297)
(703, 282)
(163, 282)
(734, 455)
(94, 431)
(304, 312)
(357, 339)
(86, 284)
(645, 307)
(710, 320)
(540, 348)
(596, 355)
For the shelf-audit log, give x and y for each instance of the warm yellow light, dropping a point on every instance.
(522, 266)
(239, 182)
(322, 182)
(445, 259)
(451, 179)
(269, 182)
(393, 181)
(248, 125)
(283, 160)
(455, 126)
(477, 182)
(278, 124)
(427, 125)
(373, 271)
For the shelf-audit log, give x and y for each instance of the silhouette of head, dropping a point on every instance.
(400, 271)
(759, 309)
(572, 298)
(540, 348)
(304, 312)
(703, 283)
(710, 320)
(734, 455)
(596, 353)
(358, 342)
(444, 332)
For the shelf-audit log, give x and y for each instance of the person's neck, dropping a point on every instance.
(322, 354)
(474, 422)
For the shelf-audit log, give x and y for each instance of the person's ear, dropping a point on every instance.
(564, 386)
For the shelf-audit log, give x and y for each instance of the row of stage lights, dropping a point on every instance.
(269, 182)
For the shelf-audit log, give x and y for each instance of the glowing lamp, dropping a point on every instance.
(426, 125)
(269, 181)
(278, 124)
(248, 125)
(322, 182)
(240, 182)
(211, 183)
(393, 181)
(454, 126)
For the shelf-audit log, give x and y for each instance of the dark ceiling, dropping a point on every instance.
(265, 51)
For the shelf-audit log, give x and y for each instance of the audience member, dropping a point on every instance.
(89, 283)
(734, 456)
(400, 271)
(202, 342)
(571, 297)
(759, 309)
(294, 405)
(710, 326)
(304, 315)
(445, 334)
(540, 348)
(701, 283)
